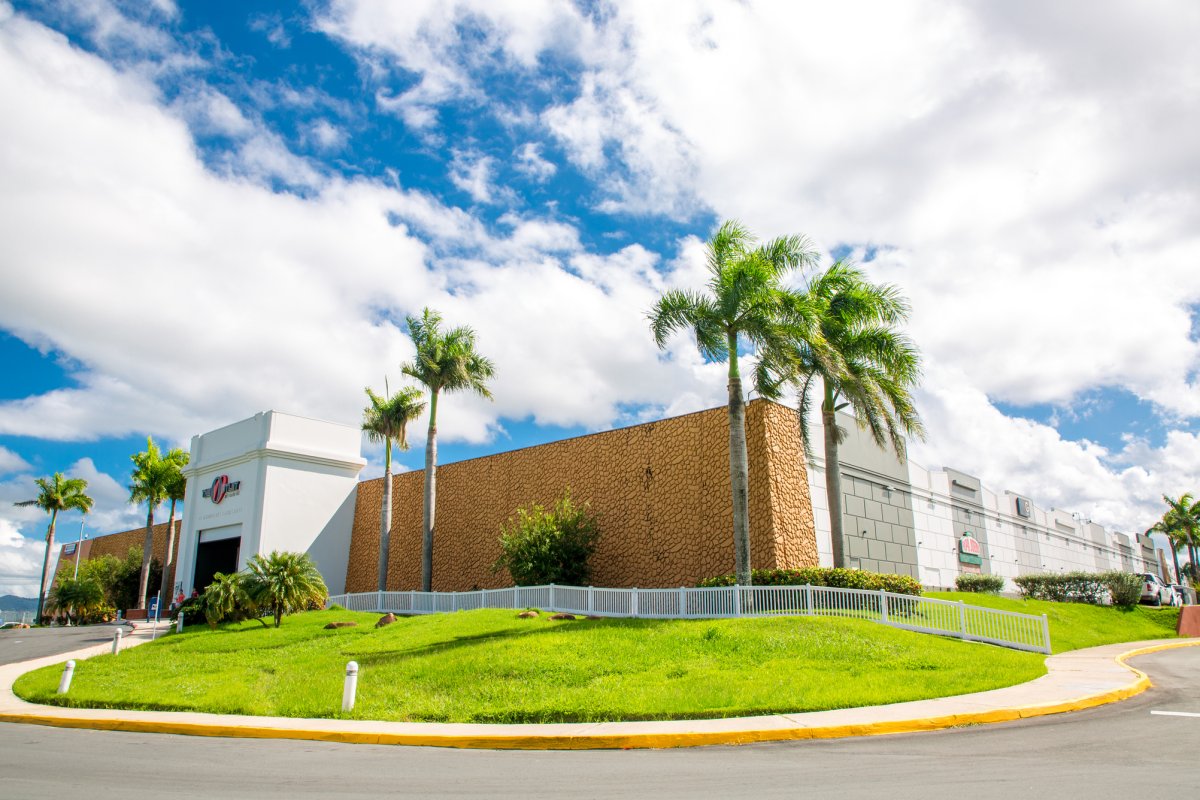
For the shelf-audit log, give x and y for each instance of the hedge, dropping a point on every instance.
(824, 576)
(1094, 588)
(970, 582)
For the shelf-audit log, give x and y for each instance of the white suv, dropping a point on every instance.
(1154, 591)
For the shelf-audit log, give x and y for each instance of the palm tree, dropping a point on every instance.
(283, 583)
(78, 597)
(446, 362)
(386, 419)
(1180, 523)
(865, 364)
(151, 483)
(176, 489)
(745, 303)
(56, 494)
(226, 598)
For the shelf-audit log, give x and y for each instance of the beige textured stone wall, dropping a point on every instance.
(661, 491)
(118, 544)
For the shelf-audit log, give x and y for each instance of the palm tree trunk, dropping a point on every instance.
(45, 566)
(1175, 557)
(738, 470)
(147, 549)
(385, 522)
(430, 495)
(169, 564)
(833, 479)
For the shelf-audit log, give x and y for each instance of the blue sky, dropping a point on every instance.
(211, 209)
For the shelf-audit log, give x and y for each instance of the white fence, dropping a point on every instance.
(921, 614)
(16, 616)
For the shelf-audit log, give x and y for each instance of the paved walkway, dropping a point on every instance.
(1076, 680)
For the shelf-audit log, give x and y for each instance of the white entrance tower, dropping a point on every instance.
(271, 482)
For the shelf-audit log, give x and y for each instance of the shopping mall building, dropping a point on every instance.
(277, 481)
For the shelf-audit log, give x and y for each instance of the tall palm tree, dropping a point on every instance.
(745, 302)
(55, 494)
(176, 489)
(446, 361)
(386, 419)
(868, 365)
(150, 484)
(1180, 523)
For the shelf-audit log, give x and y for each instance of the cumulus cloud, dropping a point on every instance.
(11, 462)
(1025, 174)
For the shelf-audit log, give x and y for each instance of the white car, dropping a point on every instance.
(1155, 592)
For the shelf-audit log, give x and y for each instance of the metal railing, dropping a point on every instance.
(16, 616)
(920, 614)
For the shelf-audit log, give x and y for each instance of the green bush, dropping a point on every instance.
(1124, 587)
(541, 546)
(1093, 588)
(825, 576)
(969, 582)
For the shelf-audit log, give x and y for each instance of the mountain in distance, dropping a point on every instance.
(10, 602)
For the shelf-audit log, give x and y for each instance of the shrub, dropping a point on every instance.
(226, 600)
(192, 610)
(825, 576)
(969, 582)
(284, 583)
(549, 546)
(1094, 588)
(1125, 588)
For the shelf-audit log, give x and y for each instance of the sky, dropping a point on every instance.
(209, 209)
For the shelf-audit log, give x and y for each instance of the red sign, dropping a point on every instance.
(969, 544)
(221, 488)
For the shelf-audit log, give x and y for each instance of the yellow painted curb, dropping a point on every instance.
(612, 741)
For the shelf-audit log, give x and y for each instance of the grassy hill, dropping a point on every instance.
(490, 666)
(1076, 625)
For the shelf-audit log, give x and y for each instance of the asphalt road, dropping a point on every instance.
(22, 644)
(1118, 751)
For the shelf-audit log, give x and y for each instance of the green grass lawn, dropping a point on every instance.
(490, 666)
(1075, 625)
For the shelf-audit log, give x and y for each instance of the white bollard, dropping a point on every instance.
(117, 641)
(179, 623)
(350, 688)
(65, 682)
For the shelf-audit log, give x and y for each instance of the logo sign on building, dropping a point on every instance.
(69, 549)
(1023, 508)
(969, 551)
(221, 488)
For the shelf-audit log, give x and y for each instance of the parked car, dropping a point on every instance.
(1154, 591)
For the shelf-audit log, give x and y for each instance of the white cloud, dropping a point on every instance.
(472, 172)
(20, 561)
(529, 162)
(223, 297)
(326, 135)
(11, 462)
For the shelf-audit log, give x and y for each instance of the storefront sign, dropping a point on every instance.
(969, 551)
(221, 488)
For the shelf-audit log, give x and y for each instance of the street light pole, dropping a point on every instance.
(79, 544)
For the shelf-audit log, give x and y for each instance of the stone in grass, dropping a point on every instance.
(386, 619)
(563, 616)
(333, 625)
(527, 614)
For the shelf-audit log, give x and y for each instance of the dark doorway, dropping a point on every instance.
(214, 557)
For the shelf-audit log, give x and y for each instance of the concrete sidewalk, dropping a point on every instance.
(1076, 680)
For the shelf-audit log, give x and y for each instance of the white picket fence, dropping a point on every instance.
(920, 614)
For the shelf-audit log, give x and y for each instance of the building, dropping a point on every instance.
(661, 490)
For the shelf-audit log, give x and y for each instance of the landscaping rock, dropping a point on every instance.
(563, 616)
(333, 625)
(386, 619)
(527, 614)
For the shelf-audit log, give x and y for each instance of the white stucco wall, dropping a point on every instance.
(298, 479)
